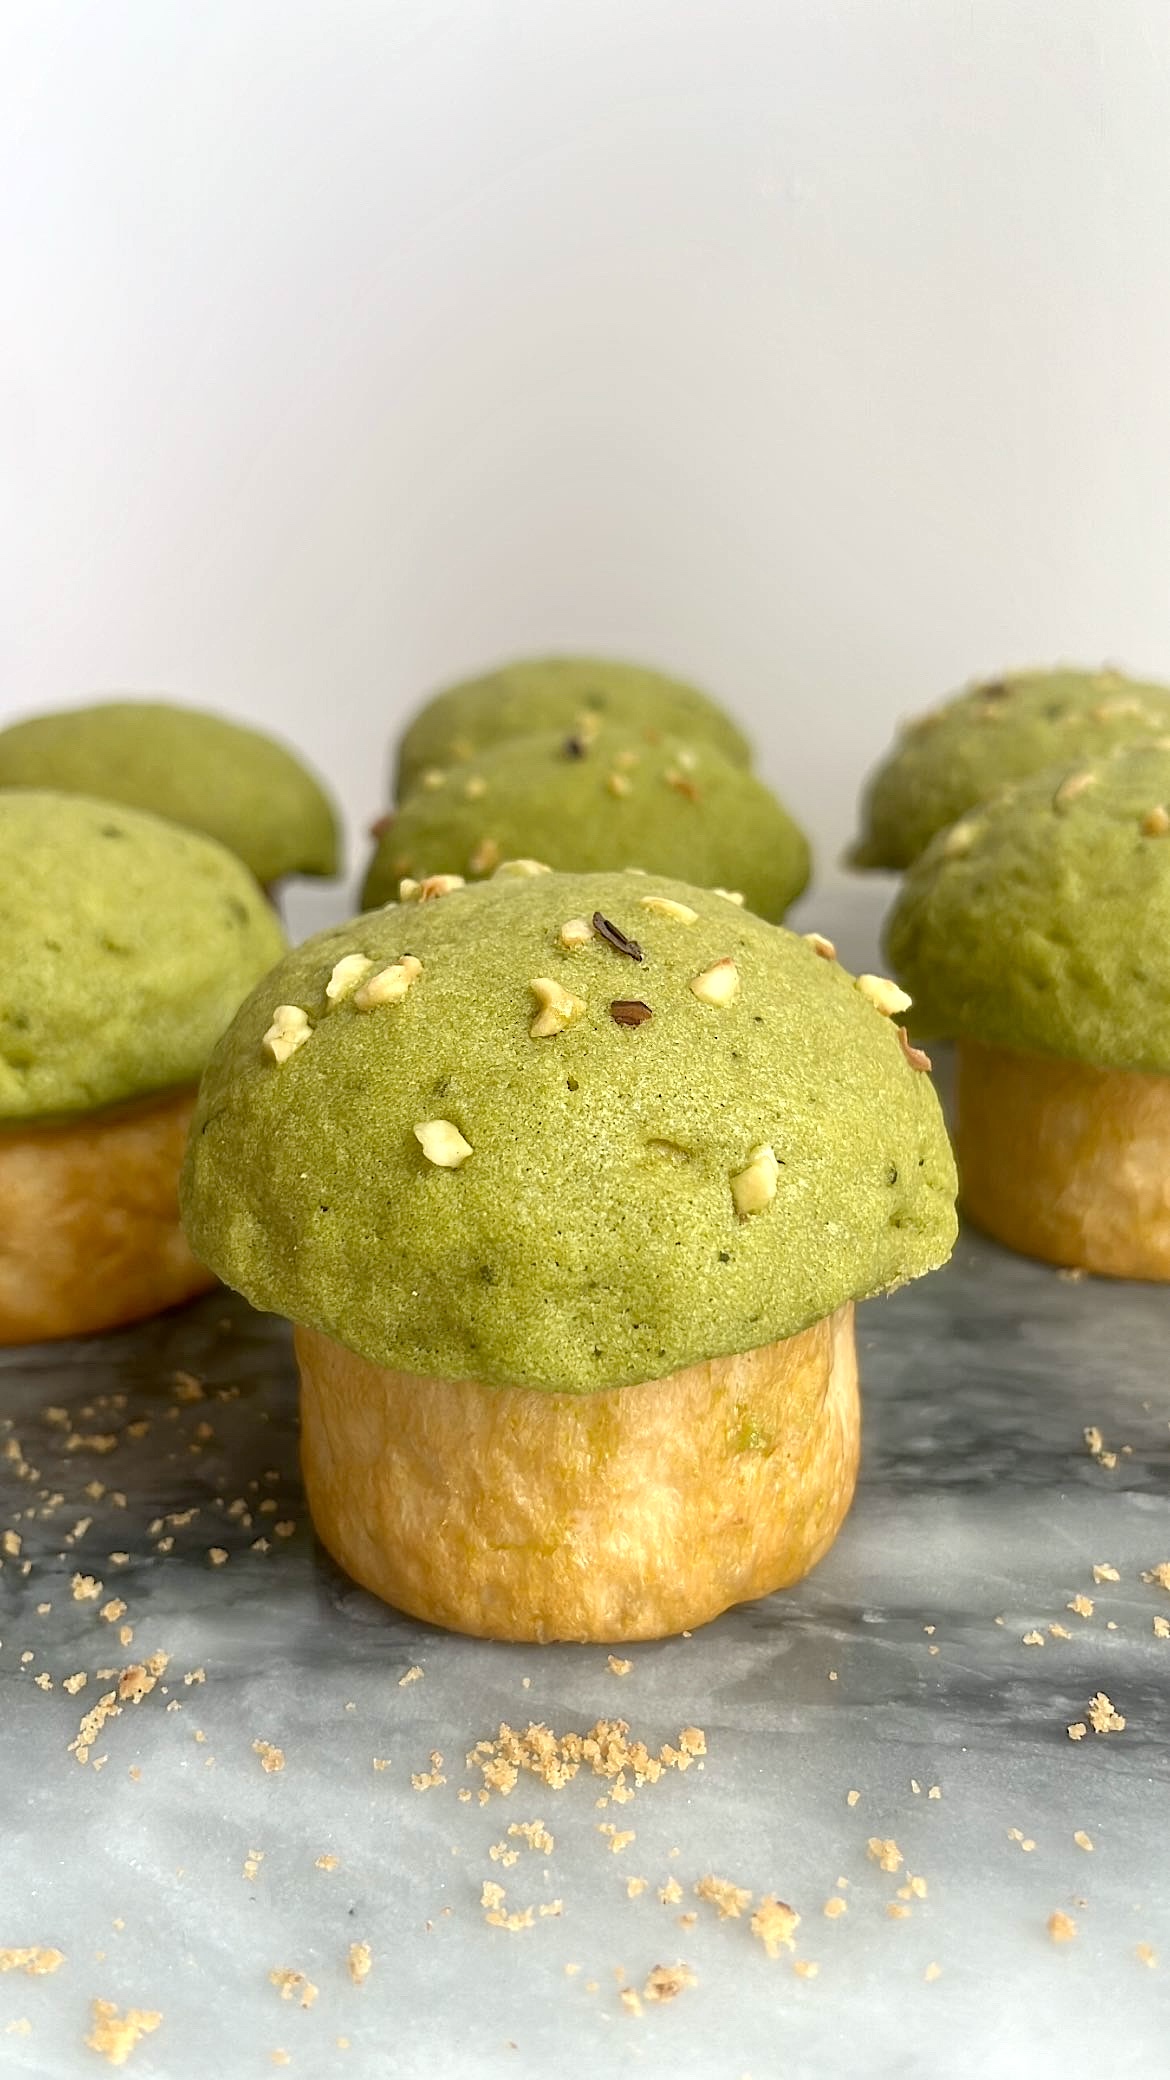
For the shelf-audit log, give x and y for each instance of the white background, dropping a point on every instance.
(819, 349)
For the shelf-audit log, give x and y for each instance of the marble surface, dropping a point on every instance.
(899, 1666)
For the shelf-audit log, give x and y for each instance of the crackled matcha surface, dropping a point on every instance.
(197, 769)
(584, 804)
(1005, 729)
(558, 693)
(591, 1237)
(128, 944)
(1041, 921)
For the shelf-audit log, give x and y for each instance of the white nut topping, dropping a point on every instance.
(558, 1006)
(824, 947)
(618, 783)
(1156, 821)
(730, 895)
(717, 985)
(663, 906)
(884, 995)
(520, 869)
(1069, 789)
(442, 1143)
(289, 1030)
(485, 857)
(475, 788)
(959, 840)
(346, 976)
(432, 779)
(430, 888)
(389, 985)
(575, 932)
(754, 1187)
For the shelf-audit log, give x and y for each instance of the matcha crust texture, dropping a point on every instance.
(565, 1132)
(611, 800)
(558, 693)
(1007, 729)
(200, 770)
(1041, 921)
(128, 945)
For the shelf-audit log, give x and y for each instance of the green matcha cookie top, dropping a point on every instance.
(566, 1131)
(558, 693)
(608, 799)
(197, 769)
(128, 945)
(1006, 729)
(1041, 921)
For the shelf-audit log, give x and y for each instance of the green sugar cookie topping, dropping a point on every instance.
(571, 695)
(1041, 922)
(194, 768)
(954, 756)
(669, 806)
(128, 945)
(550, 1161)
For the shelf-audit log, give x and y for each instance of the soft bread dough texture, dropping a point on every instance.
(591, 1238)
(1041, 921)
(556, 693)
(625, 1515)
(194, 768)
(128, 944)
(89, 1228)
(610, 801)
(1004, 729)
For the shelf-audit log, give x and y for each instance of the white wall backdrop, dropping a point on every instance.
(817, 348)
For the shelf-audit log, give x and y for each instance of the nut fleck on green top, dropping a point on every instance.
(558, 693)
(197, 769)
(584, 802)
(128, 944)
(1041, 921)
(1005, 729)
(564, 1131)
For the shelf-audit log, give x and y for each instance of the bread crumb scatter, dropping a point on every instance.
(932, 1972)
(390, 985)
(289, 1030)
(293, 1986)
(852, 1797)
(271, 1759)
(35, 1963)
(493, 1900)
(619, 1838)
(1059, 1632)
(717, 985)
(86, 1589)
(1033, 1639)
(1146, 1955)
(886, 1854)
(1025, 1842)
(351, 969)
(731, 1900)
(1061, 1927)
(835, 1907)
(1077, 1731)
(1104, 1572)
(75, 1683)
(670, 1893)
(630, 2000)
(754, 1187)
(805, 1968)
(500, 1853)
(535, 1833)
(442, 1144)
(884, 995)
(1102, 1716)
(328, 1863)
(618, 1667)
(113, 1610)
(1158, 1577)
(605, 1749)
(217, 1555)
(252, 1863)
(11, 1543)
(557, 1008)
(113, 2036)
(1081, 1606)
(1162, 1628)
(667, 1981)
(280, 2058)
(413, 1675)
(635, 1887)
(361, 1962)
(775, 1924)
(1082, 1840)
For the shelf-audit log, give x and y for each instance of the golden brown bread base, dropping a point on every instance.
(625, 1515)
(89, 1221)
(1065, 1162)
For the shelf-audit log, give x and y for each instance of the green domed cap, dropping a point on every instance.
(1006, 729)
(558, 693)
(584, 803)
(560, 1153)
(128, 945)
(1041, 921)
(208, 774)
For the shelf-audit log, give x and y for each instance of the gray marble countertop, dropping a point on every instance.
(176, 1873)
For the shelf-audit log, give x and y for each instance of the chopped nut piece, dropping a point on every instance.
(520, 869)
(615, 937)
(884, 995)
(665, 906)
(558, 1007)
(293, 1986)
(820, 945)
(113, 2035)
(630, 1011)
(575, 933)
(390, 985)
(347, 973)
(754, 1187)
(1061, 1927)
(430, 888)
(486, 857)
(731, 895)
(1069, 789)
(1102, 1717)
(360, 1961)
(721, 1893)
(775, 1924)
(959, 840)
(289, 1030)
(667, 1981)
(442, 1143)
(717, 985)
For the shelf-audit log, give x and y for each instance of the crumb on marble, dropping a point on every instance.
(360, 1962)
(775, 1923)
(885, 1853)
(114, 2035)
(293, 1985)
(271, 1759)
(1102, 1715)
(34, 1962)
(721, 1893)
(1061, 1927)
(667, 1981)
